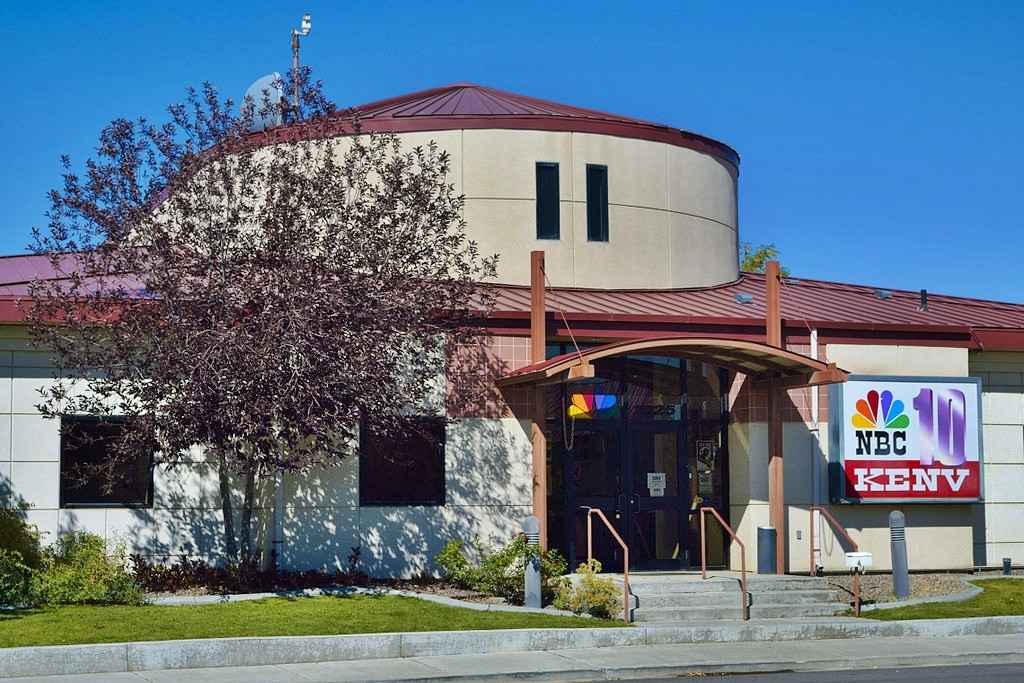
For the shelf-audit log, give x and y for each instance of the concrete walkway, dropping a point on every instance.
(610, 663)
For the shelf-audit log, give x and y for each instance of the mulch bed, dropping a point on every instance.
(432, 587)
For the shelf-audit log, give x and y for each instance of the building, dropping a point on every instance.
(633, 369)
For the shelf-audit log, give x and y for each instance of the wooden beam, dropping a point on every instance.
(776, 481)
(538, 345)
(538, 333)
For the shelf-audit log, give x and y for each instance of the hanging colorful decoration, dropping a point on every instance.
(585, 406)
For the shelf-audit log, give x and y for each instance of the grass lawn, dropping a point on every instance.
(271, 617)
(1002, 598)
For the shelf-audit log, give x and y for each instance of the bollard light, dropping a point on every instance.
(898, 544)
(531, 574)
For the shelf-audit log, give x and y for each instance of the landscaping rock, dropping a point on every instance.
(878, 587)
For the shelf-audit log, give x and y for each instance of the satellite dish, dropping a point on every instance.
(267, 88)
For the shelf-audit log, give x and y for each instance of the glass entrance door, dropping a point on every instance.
(645, 444)
(657, 502)
(595, 478)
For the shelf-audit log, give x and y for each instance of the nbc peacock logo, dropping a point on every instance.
(880, 411)
(881, 422)
(584, 406)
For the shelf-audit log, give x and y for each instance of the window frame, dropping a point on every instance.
(441, 447)
(556, 234)
(64, 504)
(600, 232)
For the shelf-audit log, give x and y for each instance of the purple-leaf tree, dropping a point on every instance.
(258, 296)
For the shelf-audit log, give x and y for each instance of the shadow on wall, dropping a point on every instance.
(488, 493)
(186, 518)
(323, 522)
(488, 484)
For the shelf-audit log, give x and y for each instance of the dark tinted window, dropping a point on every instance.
(547, 201)
(85, 445)
(597, 203)
(404, 471)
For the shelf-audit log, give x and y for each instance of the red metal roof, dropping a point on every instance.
(469, 106)
(805, 303)
(810, 301)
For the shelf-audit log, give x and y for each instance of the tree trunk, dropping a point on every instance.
(230, 541)
(247, 553)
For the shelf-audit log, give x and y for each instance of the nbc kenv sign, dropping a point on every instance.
(906, 439)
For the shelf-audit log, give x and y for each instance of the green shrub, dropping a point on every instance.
(501, 572)
(78, 569)
(19, 536)
(591, 594)
(17, 580)
(456, 567)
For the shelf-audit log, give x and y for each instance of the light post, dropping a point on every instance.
(307, 26)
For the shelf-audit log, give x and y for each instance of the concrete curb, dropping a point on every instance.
(220, 652)
(970, 591)
(841, 663)
(356, 590)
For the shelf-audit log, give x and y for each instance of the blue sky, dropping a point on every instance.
(881, 144)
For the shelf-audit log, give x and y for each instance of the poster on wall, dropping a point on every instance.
(905, 440)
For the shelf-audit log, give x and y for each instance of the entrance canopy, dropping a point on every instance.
(760, 361)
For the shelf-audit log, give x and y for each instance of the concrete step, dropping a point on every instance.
(691, 614)
(729, 598)
(668, 584)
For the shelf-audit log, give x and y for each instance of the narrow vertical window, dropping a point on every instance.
(547, 201)
(597, 203)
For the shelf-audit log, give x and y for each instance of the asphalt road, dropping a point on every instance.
(987, 673)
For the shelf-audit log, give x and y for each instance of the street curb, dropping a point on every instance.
(219, 652)
(739, 668)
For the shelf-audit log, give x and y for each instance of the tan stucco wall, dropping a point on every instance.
(999, 524)
(672, 211)
(487, 486)
(488, 491)
(882, 359)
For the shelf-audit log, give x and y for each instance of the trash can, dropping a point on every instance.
(767, 539)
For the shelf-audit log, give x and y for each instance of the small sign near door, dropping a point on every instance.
(656, 483)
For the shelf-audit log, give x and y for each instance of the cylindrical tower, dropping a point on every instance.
(614, 202)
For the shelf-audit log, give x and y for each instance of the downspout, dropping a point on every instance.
(277, 544)
(538, 345)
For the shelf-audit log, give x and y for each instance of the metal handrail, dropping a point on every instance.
(745, 604)
(625, 554)
(836, 526)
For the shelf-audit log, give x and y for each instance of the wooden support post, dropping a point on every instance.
(538, 344)
(776, 483)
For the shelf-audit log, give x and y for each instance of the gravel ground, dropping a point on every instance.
(878, 587)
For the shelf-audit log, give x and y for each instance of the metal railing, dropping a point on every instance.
(837, 527)
(625, 554)
(744, 600)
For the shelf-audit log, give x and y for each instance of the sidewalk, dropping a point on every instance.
(609, 663)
